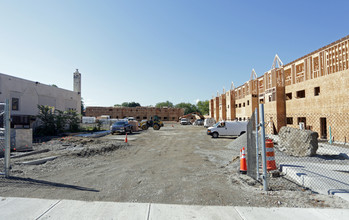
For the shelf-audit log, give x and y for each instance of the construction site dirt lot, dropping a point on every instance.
(175, 165)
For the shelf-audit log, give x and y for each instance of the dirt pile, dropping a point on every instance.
(78, 146)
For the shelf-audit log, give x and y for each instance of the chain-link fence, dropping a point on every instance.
(2, 137)
(5, 138)
(311, 149)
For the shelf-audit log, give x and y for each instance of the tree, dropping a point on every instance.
(164, 104)
(203, 107)
(130, 104)
(47, 119)
(134, 104)
(188, 107)
(53, 122)
(73, 120)
(82, 106)
(60, 120)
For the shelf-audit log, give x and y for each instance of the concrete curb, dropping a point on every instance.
(39, 161)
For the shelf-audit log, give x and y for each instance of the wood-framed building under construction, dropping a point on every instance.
(312, 90)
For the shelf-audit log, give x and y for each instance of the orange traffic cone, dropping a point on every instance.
(269, 146)
(243, 165)
(126, 138)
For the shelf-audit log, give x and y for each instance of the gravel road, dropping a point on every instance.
(175, 165)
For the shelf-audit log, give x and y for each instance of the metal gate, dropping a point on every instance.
(5, 139)
(256, 147)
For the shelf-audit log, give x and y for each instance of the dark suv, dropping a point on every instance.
(122, 127)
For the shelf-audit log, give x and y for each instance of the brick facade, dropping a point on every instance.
(139, 113)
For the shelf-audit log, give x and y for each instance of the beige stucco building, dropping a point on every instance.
(312, 90)
(26, 95)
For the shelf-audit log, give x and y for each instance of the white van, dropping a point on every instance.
(228, 128)
(209, 122)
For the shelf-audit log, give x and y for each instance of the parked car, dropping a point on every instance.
(228, 128)
(209, 122)
(199, 122)
(122, 127)
(185, 121)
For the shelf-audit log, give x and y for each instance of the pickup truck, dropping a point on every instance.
(185, 121)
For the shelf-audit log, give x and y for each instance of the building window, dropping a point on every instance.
(173, 118)
(144, 117)
(301, 94)
(288, 96)
(19, 121)
(289, 120)
(316, 91)
(302, 120)
(138, 117)
(239, 105)
(243, 104)
(236, 105)
(165, 118)
(248, 102)
(15, 104)
(228, 106)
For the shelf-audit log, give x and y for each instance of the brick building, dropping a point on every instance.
(139, 113)
(313, 90)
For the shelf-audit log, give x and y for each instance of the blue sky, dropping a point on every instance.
(149, 51)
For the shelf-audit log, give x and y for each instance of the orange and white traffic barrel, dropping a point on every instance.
(269, 146)
(243, 165)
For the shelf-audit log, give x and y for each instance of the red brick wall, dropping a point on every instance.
(139, 113)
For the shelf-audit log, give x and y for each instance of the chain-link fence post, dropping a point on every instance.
(264, 157)
(251, 148)
(7, 139)
(257, 148)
